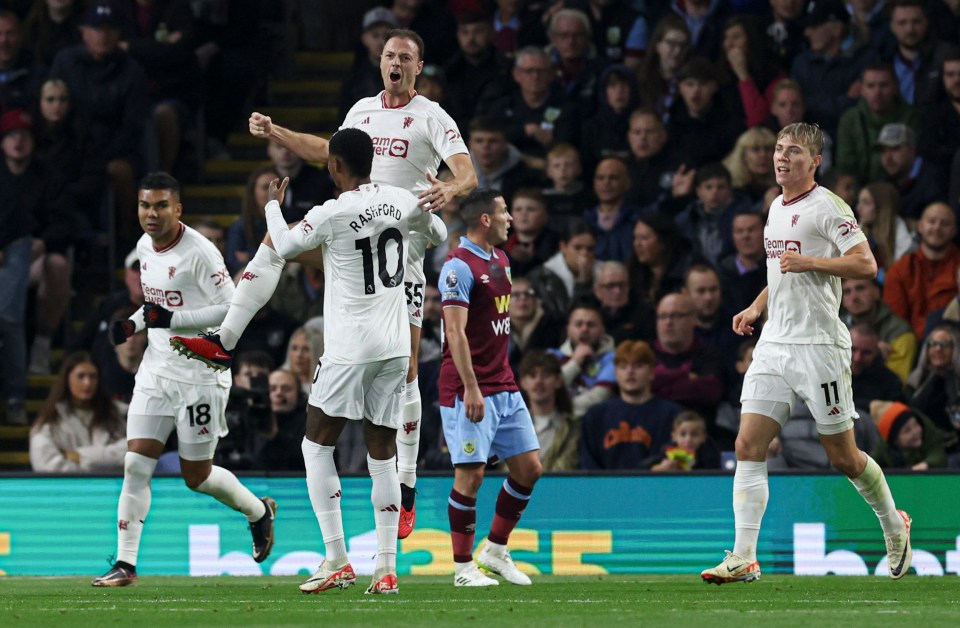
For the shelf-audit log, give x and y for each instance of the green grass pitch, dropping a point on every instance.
(432, 602)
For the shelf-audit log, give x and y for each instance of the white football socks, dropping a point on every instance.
(408, 436)
(224, 486)
(134, 504)
(750, 494)
(256, 286)
(872, 484)
(323, 486)
(385, 496)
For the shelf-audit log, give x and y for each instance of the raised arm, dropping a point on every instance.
(304, 145)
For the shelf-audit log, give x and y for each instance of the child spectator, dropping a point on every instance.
(690, 447)
(531, 241)
(79, 428)
(910, 440)
(569, 197)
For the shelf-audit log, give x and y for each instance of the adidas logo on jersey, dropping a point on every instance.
(834, 412)
(365, 120)
(203, 430)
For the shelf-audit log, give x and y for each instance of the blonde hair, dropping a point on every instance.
(883, 229)
(736, 162)
(809, 135)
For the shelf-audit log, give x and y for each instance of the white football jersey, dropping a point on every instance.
(803, 308)
(408, 141)
(187, 275)
(364, 235)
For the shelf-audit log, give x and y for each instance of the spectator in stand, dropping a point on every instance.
(862, 305)
(623, 318)
(910, 440)
(705, 19)
(628, 431)
(119, 365)
(477, 73)
(52, 222)
(690, 446)
(578, 65)
(567, 276)
(743, 274)
(660, 259)
(18, 77)
(531, 328)
(788, 106)
(605, 133)
(211, 229)
(276, 447)
(498, 163)
(51, 26)
(940, 120)
(711, 314)
(160, 35)
(364, 79)
(728, 412)
(536, 112)
(245, 235)
(619, 30)
(531, 241)
(248, 410)
(878, 209)
(668, 50)
(309, 186)
(934, 385)
(872, 379)
(613, 217)
(704, 124)
(688, 370)
(79, 429)
(516, 25)
(568, 197)
(744, 65)
(828, 74)
(587, 358)
(916, 179)
(431, 83)
(918, 57)
(64, 151)
(707, 221)
(870, 26)
(94, 331)
(784, 31)
(750, 163)
(551, 409)
(937, 260)
(303, 353)
(652, 161)
(431, 20)
(860, 126)
(109, 89)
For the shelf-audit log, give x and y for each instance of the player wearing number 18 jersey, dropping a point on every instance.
(186, 287)
(812, 240)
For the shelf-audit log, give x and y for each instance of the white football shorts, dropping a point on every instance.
(818, 374)
(356, 391)
(160, 405)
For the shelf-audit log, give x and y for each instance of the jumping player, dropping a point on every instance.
(812, 240)
(186, 287)
(411, 137)
(481, 408)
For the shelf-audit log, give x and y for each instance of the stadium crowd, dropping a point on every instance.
(633, 142)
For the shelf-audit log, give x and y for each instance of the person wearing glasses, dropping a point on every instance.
(623, 317)
(933, 387)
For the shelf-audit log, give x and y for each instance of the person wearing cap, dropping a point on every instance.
(926, 279)
(909, 440)
(880, 104)
(828, 73)
(812, 241)
(109, 89)
(704, 124)
(917, 179)
(363, 79)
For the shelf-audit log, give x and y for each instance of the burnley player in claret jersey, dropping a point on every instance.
(480, 404)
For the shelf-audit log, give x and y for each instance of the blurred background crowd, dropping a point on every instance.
(632, 139)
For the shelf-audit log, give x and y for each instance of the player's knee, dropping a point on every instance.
(747, 449)
(849, 465)
(138, 467)
(472, 481)
(193, 479)
(530, 473)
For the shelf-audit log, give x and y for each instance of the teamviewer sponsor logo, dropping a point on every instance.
(391, 147)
